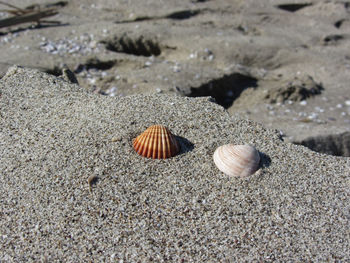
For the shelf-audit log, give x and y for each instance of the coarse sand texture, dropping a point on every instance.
(73, 189)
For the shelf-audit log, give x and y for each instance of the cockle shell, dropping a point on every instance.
(156, 142)
(237, 160)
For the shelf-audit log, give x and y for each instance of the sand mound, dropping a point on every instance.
(55, 136)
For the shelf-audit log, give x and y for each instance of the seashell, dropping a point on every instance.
(156, 142)
(237, 160)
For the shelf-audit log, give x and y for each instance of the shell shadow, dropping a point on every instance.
(265, 160)
(185, 145)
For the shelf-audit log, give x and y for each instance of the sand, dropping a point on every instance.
(54, 136)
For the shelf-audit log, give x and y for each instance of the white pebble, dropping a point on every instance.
(319, 109)
(192, 55)
(176, 68)
(113, 89)
(93, 44)
(92, 81)
(303, 103)
(313, 116)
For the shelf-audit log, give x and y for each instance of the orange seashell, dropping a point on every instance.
(156, 142)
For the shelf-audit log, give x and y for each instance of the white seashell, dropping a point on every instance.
(237, 160)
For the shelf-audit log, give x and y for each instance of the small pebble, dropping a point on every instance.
(193, 55)
(176, 68)
(312, 116)
(148, 63)
(92, 180)
(339, 106)
(116, 139)
(319, 109)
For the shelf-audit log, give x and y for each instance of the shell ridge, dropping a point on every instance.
(137, 143)
(153, 143)
(160, 143)
(149, 143)
(142, 144)
(147, 140)
(156, 146)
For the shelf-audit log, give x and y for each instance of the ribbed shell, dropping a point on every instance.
(237, 160)
(156, 142)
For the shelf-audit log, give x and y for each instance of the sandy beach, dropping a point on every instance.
(78, 86)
